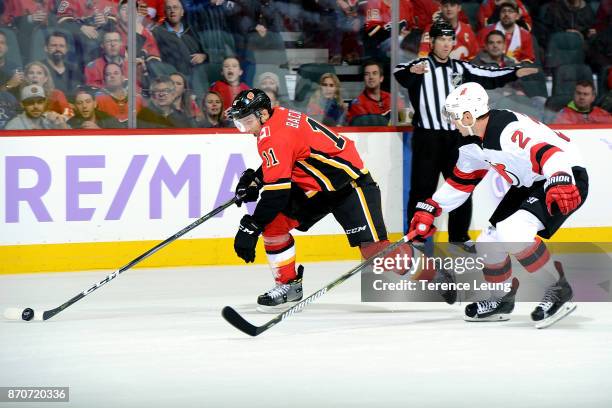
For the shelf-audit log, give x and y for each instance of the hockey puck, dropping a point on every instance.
(27, 314)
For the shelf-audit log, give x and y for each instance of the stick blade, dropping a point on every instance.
(234, 318)
(15, 313)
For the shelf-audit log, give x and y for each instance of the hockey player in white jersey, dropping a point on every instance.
(548, 182)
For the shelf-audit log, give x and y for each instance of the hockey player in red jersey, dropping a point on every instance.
(548, 182)
(307, 172)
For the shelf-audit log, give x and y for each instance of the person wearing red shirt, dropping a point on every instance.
(111, 46)
(307, 172)
(427, 11)
(230, 85)
(372, 100)
(488, 15)
(378, 25)
(519, 44)
(466, 44)
(581, 110)
(114, 99)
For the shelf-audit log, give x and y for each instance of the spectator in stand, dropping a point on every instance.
(581, 110)
(466, 44)
(212, 107)
(66, 76)
(145, 42)
(184, 99)
(177, 42)
(519, 43)
(261, 23)
(325, 104)
(8, 108)
(603, 17)
(28, 16)
(270, 84)
(428, 11)
(372, 100)
(319, 25)
(86, 21)
(494, 52)
(488, 14)
(11, 74)
(161, 112)
(153, 12)
(111, 48)
(575, 16)
(113, 100)
(600, 50)
(350, 23)
(377, 42)
(494, 55)
(37, 73)
(86, 114)
(35, 114)
(230, 85)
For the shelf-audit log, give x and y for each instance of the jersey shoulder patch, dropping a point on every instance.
(498, 120)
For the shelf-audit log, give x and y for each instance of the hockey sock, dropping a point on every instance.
(498, 272)
(537, 261)
(280, 251)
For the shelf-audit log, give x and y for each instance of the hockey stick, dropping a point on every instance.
(239, 322)
(30, 314)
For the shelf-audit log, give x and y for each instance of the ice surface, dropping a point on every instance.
(156, 338)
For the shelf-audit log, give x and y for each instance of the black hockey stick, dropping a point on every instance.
(29, 314)
(239, 322)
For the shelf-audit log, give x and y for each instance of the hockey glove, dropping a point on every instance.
(423, 218)
(246, 239)
(248, 187)
(561, 191)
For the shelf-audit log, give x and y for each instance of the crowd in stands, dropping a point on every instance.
(63, 63)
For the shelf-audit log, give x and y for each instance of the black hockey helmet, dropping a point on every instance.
(249, 102)
(441, 27)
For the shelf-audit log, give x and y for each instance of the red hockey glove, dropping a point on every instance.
(561, 191)
(423, 219)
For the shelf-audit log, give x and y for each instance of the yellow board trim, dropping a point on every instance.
(213, 251)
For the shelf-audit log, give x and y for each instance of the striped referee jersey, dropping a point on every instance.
(428, 91)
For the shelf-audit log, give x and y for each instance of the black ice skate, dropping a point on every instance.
(556, 303)
(444, 276)
(282, 296)
(492, 310)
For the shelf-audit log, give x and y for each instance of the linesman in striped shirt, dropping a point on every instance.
(435, 142)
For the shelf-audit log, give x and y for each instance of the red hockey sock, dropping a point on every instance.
(281, 257)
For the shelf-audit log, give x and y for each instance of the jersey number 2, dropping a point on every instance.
(270, 158)
(317, 127)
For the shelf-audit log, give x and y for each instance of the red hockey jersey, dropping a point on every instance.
(296, 148)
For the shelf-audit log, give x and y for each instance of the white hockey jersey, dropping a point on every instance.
(521, 149)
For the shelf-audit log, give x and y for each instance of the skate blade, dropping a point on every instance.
(567, 308)
(276, 309)
(502, 317)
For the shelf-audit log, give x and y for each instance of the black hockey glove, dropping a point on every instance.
(246, 238)
(248, 187)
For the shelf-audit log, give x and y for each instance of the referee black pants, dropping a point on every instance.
(435, 152)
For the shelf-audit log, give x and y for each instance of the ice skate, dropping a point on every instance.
(556, 303)
(282, 296)
(448, 277)
(492, 310)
